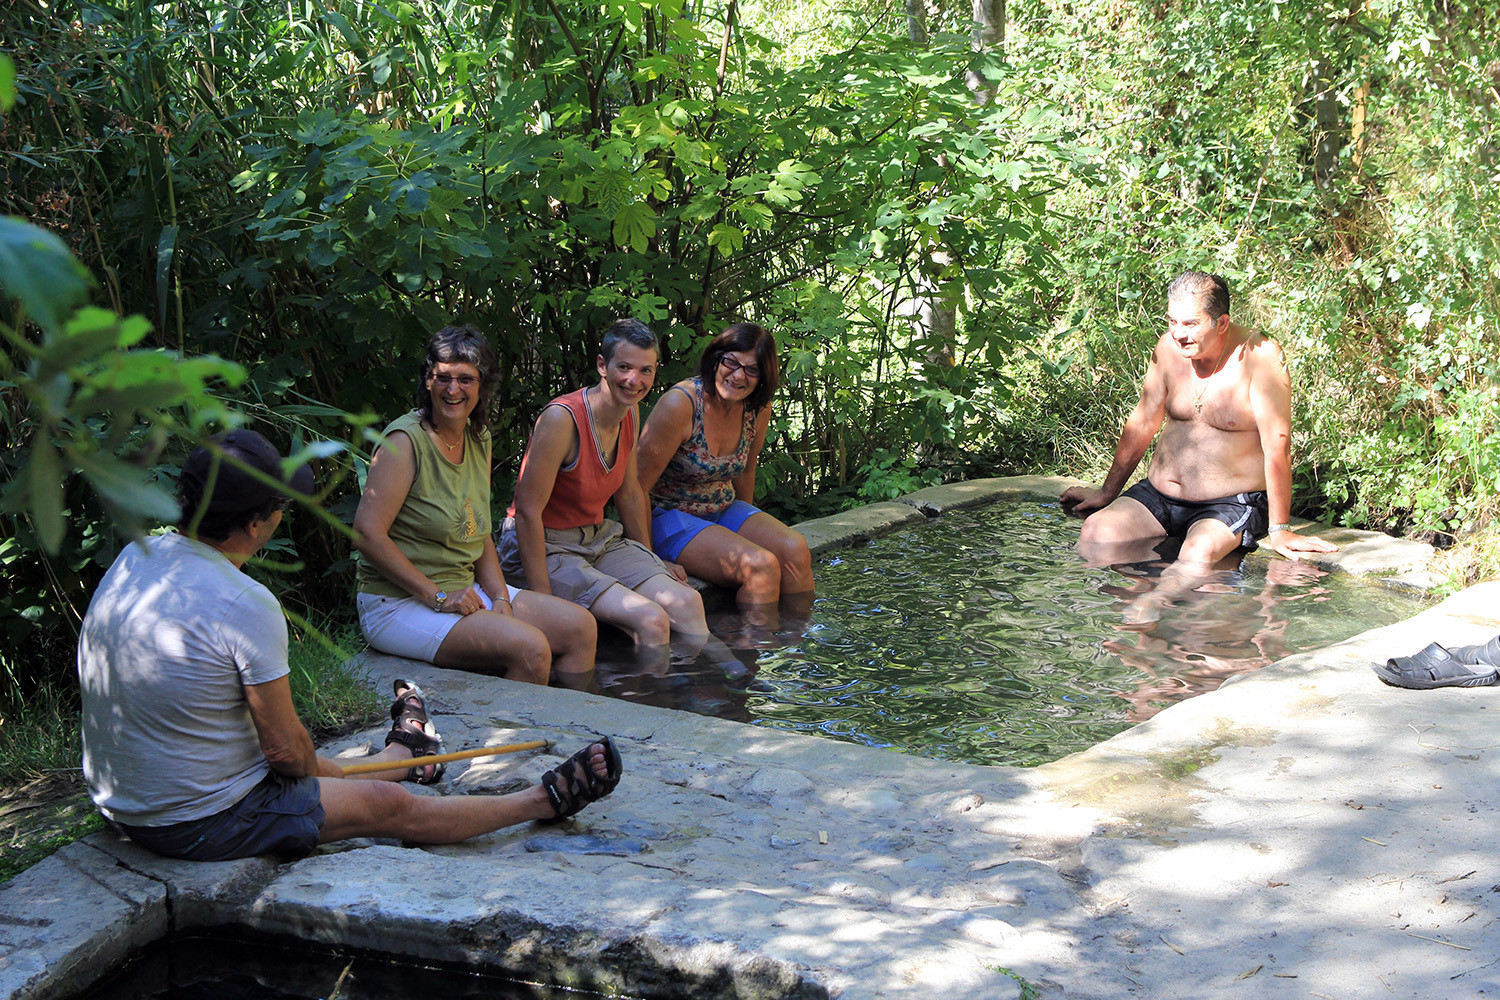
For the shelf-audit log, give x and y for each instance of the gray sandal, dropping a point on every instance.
(1436, 667)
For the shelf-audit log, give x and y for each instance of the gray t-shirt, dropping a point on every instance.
(171, 638)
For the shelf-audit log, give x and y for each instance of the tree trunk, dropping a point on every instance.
(989, 36)
(1328, 137)
(916, 22)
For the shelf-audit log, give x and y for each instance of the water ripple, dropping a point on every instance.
(981, 637)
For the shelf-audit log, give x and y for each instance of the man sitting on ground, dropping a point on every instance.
(1221, 475)
(582, 454)
(191, 745)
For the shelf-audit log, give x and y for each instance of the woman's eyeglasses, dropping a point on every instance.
(732, 366)
(467, 381)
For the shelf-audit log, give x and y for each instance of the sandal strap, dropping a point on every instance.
(420, 744)
(414, 730)
(573, 785)
(1484, 654)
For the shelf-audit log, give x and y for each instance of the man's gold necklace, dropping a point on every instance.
(1203, 382)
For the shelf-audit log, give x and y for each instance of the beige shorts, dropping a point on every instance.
(582, 563)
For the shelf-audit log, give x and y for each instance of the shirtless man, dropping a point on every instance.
(556, 539)
(1221, 476)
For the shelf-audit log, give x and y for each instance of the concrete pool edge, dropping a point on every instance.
(1395, 562)
(1023, 868)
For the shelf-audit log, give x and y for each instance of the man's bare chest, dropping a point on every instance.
(1220, 402)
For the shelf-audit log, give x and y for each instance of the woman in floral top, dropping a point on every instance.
(697, 460)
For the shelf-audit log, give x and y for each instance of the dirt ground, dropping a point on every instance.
(41, 815)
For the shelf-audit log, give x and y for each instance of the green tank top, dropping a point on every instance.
(442, 525)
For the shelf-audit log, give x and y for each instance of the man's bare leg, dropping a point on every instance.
(1117, 530)
(1207, 543)
(355, 808)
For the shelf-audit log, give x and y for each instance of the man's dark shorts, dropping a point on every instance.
(280, 815)
(1246, 514)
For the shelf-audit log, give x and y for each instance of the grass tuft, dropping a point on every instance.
(38, 731)
(331, 697)
(1469, 561)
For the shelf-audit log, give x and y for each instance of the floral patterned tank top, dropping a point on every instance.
(696, 481)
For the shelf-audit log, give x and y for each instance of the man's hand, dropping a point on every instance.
(1082, 500)
(1288, 543)
(678, 573)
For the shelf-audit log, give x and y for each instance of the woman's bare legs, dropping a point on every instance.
(570, 630)
(733, 561)
(789, 548)
(493, 643)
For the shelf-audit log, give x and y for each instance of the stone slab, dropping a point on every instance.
(853, 527)
(935, 500)
(1303, 821)
(71, 916)
(1365, 553)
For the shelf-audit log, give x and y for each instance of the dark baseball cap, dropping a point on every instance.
(234, 489)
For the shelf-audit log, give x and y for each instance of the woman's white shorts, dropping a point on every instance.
(405, 626)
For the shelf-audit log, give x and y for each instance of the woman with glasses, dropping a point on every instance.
(430, 584)
(697, 460)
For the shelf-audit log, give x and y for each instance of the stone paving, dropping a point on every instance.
(1303, 831)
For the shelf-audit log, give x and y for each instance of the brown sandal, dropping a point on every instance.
(573, 784)
(413, 730)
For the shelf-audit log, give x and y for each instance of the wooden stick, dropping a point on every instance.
(442, 758)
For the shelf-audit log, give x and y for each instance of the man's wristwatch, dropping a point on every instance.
(1282, 526)
(438, 599)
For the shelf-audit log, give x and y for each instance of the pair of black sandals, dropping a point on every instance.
(570, 786)
(1437, 666)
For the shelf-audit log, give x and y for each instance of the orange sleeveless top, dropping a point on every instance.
(582, 489)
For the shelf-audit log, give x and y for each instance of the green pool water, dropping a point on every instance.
(980, 636)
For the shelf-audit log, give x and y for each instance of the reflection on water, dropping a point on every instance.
(982, 637)
(231, 964)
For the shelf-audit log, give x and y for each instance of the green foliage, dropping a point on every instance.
(88, 400)
(295, 196)
(886, 476)
(38, 729)
(307, 191)
(1336, 163)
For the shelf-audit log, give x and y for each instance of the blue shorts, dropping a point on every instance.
(280, 815)
(671, 529)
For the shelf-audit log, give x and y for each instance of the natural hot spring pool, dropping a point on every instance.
(980, 636)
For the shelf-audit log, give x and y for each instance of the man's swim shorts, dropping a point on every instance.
(1246, 514)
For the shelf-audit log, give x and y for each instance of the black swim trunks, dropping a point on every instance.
(1246, 514)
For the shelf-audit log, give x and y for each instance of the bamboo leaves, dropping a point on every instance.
(89, 388)
(37, 270)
